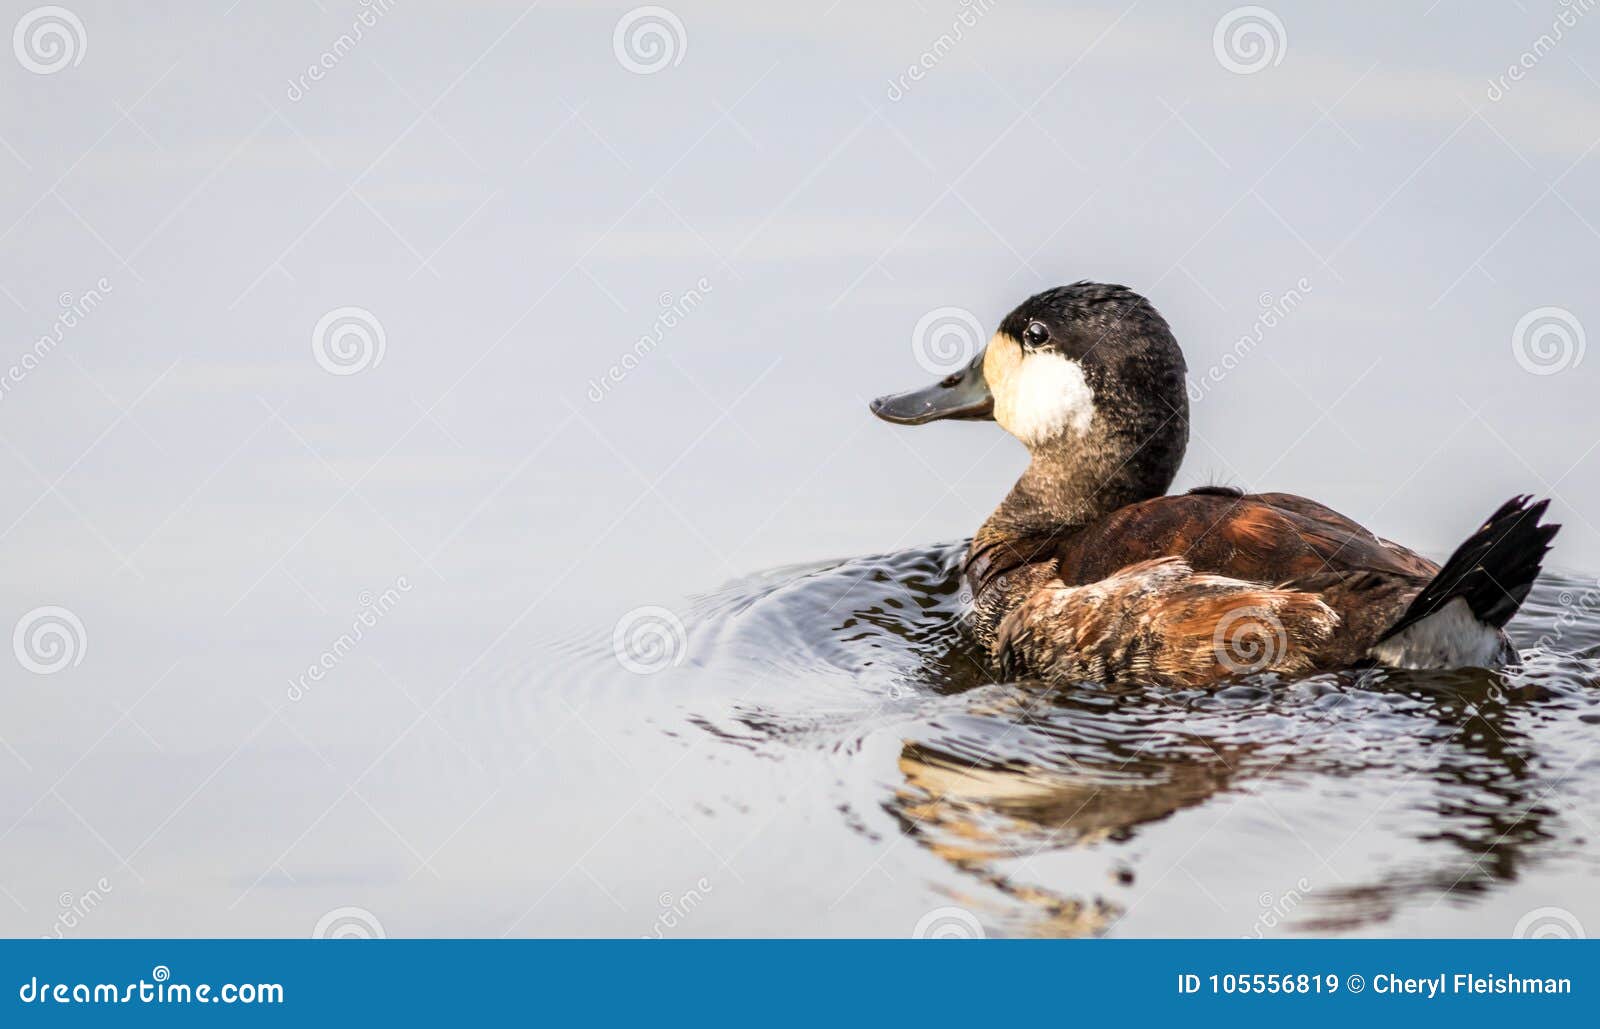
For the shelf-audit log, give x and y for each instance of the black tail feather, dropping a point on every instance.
(1492, 571)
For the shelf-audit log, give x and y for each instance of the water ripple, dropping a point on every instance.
(1464, 773)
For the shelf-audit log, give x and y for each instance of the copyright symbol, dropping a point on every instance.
(1355, 983)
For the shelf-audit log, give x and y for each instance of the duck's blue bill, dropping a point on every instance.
(963, 394)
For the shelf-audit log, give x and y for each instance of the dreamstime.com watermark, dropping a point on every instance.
(649, 639)
(1249, 639)
(48, 640)
(1549, 924)
(1249, 39)
(74, 910)
(945, 339)
(1576, 609)
(348, 923)
(1273, 311)
(373, 609)
(49, 39)
(1276, 909)
(971, 12)
(674, 309)
(372, 11)
(674, 910)
(1518, 70)
(648, 39)
(949, 923)
(74, 309)
(348, 340)
(158, 989)
(1548, 340)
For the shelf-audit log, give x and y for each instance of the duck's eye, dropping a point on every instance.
(1035, 335)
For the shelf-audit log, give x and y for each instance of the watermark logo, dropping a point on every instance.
(158, 989)
(49, 639)
(1548, 340)
(945, 339)
(367, 18)
(1249, 639)
(675, 909)
(348, 924)
(348, 340)
(1273, 310)
(1536, 51)
(373, 608)
(48, 39)
(1576, 609)
(1548, 924)
(74, 309)
(1276, 908)
(949, 923)
(647, 640)
(648, 39)
(967, 17)
(1249, 39)
(74, 910)
(674, 309)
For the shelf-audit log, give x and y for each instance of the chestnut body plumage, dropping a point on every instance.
(1087, 570)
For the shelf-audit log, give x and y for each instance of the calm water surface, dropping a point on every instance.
(828, 757)
(1360, 802)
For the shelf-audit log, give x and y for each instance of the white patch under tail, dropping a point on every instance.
(1451, 637)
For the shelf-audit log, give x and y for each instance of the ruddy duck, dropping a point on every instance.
(1088, 571)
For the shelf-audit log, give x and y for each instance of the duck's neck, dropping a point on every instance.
(1048, 500)
(1070, 485)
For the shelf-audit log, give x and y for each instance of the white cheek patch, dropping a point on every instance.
(1047, 396)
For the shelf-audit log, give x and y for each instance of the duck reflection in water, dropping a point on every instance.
(1458, 776)
(1034, 770)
